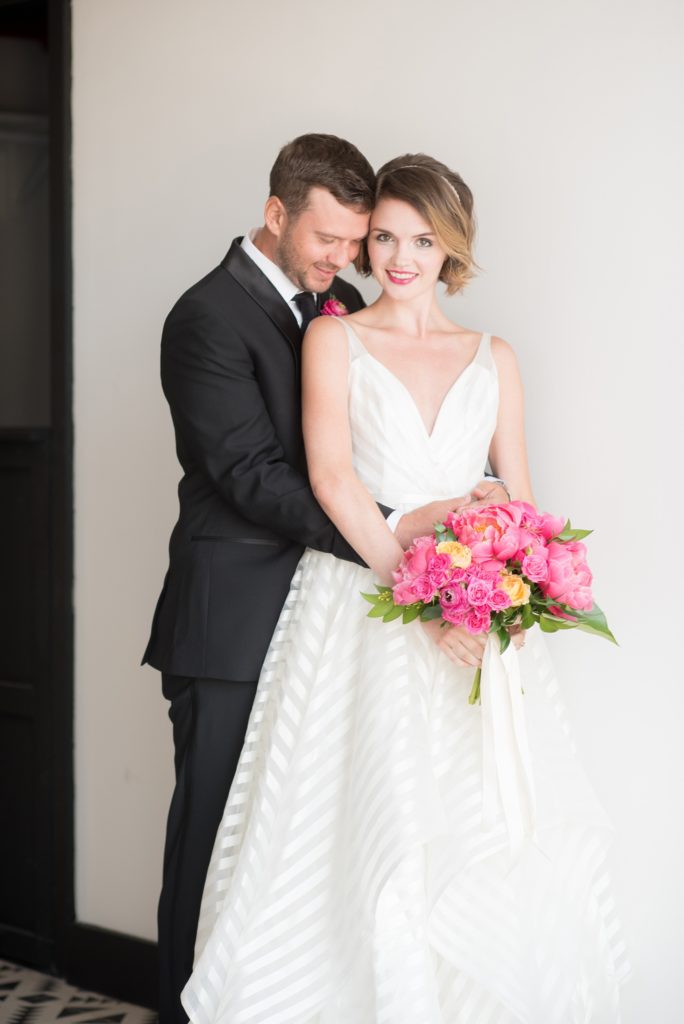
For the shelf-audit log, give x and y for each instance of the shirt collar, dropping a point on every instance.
(278, 279)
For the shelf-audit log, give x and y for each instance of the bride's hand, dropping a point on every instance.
(517, 635)
(462, 647)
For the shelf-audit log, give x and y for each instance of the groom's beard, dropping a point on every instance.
(300, 270)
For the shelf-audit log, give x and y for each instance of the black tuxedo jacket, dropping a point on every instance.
(230, 369)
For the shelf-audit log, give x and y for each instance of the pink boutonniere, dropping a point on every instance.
(333, 307)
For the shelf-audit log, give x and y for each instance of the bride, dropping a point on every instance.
(354, 877)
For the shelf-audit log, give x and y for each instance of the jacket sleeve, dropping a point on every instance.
(222, 423)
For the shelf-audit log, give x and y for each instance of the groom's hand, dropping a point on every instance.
(422, 520)
(488, 493)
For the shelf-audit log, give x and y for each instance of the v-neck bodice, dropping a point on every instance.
(402, 464)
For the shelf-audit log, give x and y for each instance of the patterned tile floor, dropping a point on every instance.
(27, 997)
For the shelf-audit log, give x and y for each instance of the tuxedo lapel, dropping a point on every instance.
(247, 274)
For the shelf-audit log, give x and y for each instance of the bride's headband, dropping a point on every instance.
(425, 167)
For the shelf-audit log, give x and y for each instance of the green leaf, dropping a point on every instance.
(570, 533)
(595, 622)
(383, 588)
(394, 613)
(411, 612)
(567, 535)
(378, 612)
(527, 619)
(371, 598)
(548, 624)
(440, 528)
(504, 639)
(431, 611)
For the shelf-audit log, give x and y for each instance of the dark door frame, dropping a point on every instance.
(90, 957)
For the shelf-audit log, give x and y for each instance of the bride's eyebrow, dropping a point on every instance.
(421, 234)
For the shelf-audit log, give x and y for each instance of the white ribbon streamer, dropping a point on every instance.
(506, 761)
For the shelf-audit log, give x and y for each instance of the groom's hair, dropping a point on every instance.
(322, 161)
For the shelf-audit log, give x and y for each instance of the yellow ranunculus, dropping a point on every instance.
(516, 588)
(460, 553)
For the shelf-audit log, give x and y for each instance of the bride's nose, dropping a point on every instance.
(402, 253)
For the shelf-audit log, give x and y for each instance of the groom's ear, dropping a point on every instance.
(275, 216)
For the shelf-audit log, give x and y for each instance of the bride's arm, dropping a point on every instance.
(327, 437)
(508, 451)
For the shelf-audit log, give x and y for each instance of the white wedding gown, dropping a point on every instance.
(353, 880)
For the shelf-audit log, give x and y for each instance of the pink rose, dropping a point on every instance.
(417, 557)
(454, 616)
(333, 307)
(424, 589)
(479, 592)
(535, 567)
(404, 593)
(440, 570)
(478, 620)
(498, 600)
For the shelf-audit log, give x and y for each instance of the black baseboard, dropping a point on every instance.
(23, 947)
(113, 964)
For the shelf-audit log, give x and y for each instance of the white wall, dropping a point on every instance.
(565, 120)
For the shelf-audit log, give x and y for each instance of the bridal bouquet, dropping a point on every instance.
(495, 569)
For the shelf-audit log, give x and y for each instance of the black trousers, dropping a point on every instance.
(209, 719)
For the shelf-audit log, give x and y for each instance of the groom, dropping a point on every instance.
(230, 365)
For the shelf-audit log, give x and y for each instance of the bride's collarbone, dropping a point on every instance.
(438, 358)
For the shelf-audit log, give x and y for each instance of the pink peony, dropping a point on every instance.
(550, 526)
(495, 534)
(560, 614)
(569, 579)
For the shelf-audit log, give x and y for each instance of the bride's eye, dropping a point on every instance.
(382, 236)
(424, 243)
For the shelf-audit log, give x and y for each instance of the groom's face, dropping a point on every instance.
(323, 239)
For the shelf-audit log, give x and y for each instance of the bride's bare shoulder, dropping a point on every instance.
(503, 351)
(505, 359)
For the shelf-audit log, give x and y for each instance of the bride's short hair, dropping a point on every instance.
(440, 196)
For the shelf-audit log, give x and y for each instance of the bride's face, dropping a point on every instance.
(405, 256)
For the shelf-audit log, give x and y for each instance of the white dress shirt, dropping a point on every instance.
(280, 281)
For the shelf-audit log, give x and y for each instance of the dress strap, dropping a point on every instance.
(483, 353)
(356, 347)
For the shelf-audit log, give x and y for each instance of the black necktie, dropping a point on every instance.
(307, 307)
